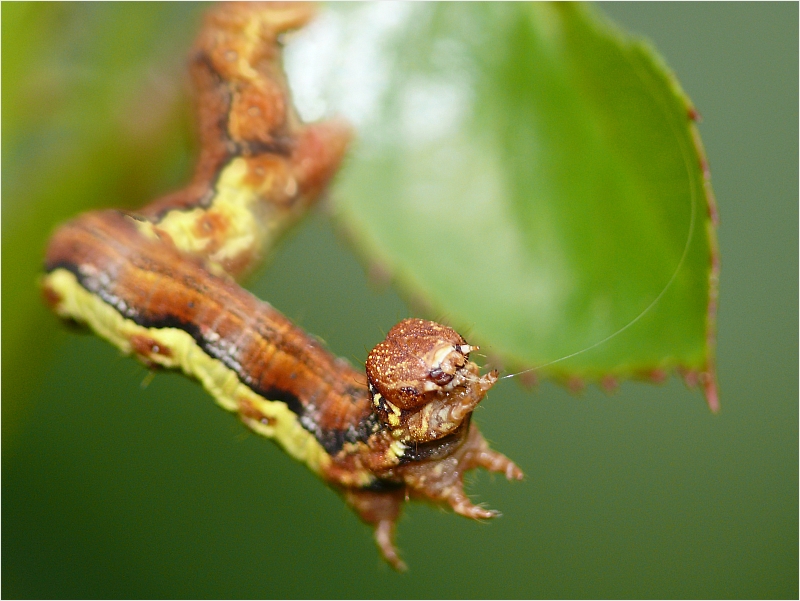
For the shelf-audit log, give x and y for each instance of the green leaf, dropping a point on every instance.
(534, 177)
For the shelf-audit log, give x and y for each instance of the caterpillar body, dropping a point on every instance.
(159, 283)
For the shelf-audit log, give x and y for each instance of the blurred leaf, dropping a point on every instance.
(529, 174)
(94, 113)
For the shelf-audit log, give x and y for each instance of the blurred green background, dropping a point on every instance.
(111, 489)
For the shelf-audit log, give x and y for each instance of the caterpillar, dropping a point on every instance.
(160, 284)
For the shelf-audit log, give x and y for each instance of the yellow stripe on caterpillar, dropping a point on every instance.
(174, 348)
(237, 223)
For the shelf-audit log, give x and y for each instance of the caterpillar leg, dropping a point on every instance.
(380, 510)
(384, 538)
(461, 504)
(442, 481)
(490, 460)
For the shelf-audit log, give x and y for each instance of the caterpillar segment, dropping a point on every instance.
(159, 284)
(260, 168)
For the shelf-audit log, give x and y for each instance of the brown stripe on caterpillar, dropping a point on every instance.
(159, 284)
(155, 286)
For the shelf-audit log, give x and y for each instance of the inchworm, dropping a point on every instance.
(159, 283)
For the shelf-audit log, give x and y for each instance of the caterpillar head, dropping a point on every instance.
(422, 383)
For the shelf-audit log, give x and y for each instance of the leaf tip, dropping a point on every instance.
(709, 381)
